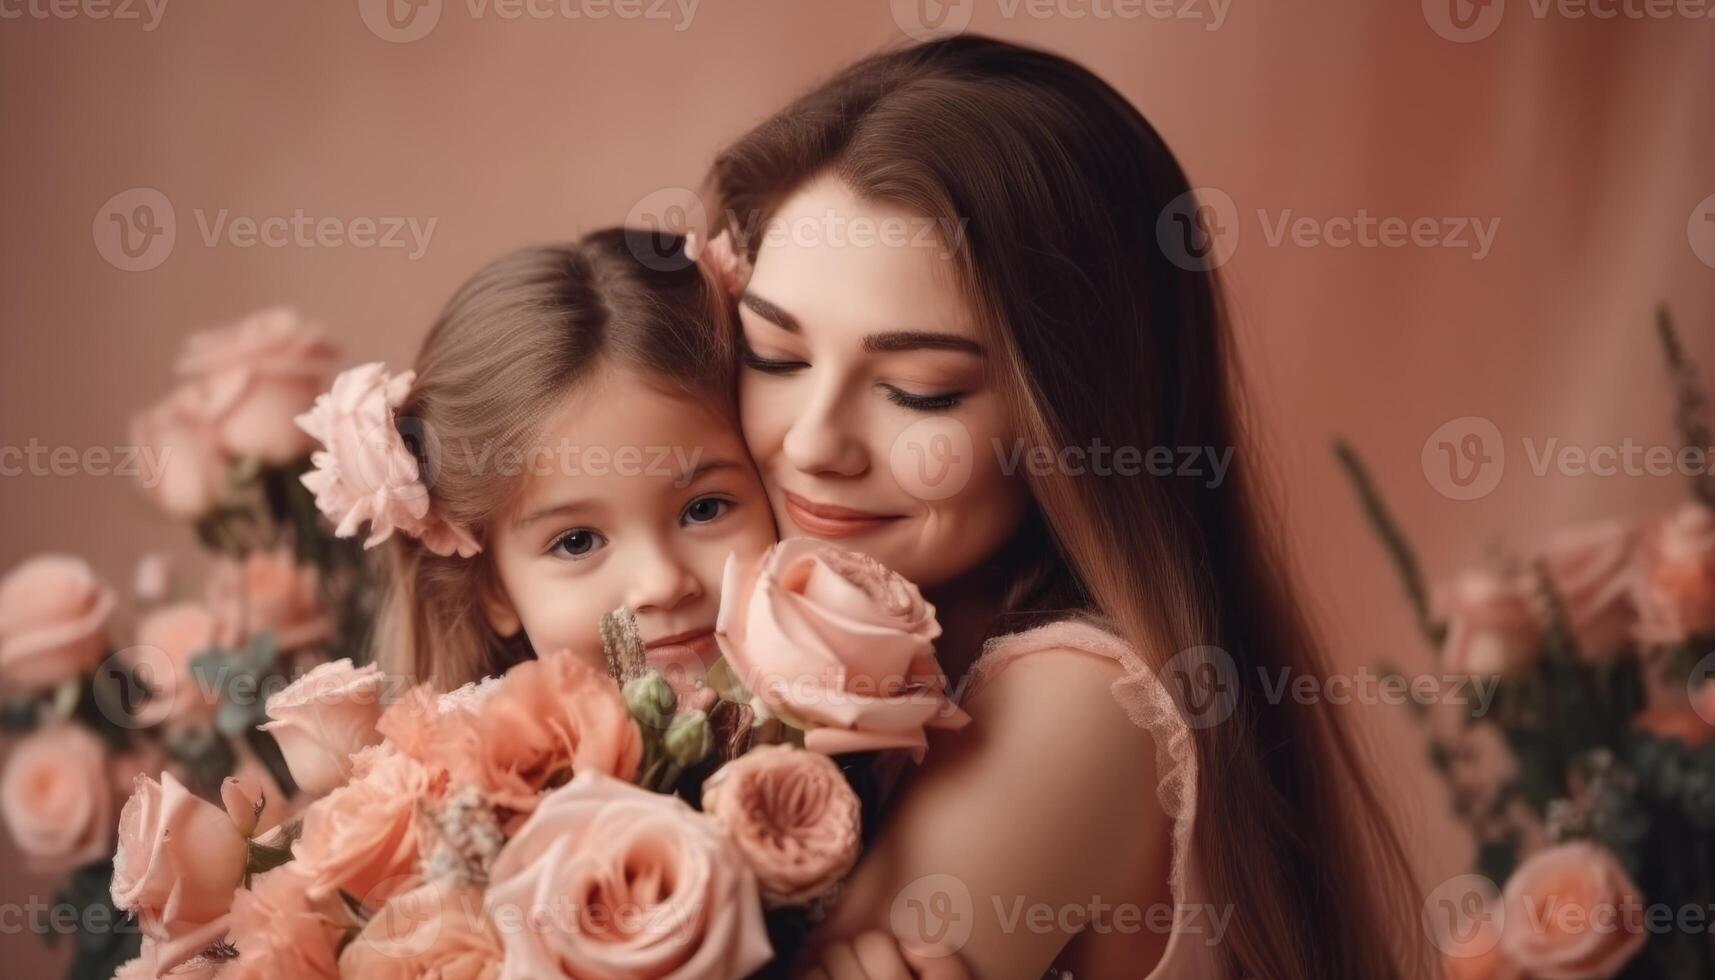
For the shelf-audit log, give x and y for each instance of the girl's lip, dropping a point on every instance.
(829, 520)
(688, 638)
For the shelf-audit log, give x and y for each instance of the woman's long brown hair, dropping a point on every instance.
(1059, 182)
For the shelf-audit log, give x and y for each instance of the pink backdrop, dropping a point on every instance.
(1590, 141)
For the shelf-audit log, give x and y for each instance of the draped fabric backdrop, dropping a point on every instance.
(1585, 144)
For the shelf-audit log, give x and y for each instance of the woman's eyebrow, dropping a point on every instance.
(877, 343)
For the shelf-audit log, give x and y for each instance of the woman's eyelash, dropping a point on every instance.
(767, 365)
(923, 403)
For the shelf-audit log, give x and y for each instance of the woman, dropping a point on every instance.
(957, 278)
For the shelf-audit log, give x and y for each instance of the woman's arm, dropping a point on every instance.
(1048, 798)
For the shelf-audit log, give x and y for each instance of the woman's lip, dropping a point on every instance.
(830, 521)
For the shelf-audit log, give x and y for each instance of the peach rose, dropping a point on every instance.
(548, 720)
(1572, 913)
(186, 472)
(1478, 954)
(279, 932)
(53, 618)
(792, 815)
(57, 798)
(269, 591)
(180, 632)
(252, 798)
(607, 879)
(259, 375)
(362, 837)
(323, 718)
(179, 861)
(1591, 570)
(1675, 586)
(1494, 623)
(436, 930)
(835, 642)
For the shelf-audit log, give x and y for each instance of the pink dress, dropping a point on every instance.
(1149, 705)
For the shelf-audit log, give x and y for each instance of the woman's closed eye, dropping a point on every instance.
(577, 544)
(938, 402)
(768, 365)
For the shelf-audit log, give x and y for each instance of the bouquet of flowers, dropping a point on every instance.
(183, 692)
(1588, 777)
(647, 820)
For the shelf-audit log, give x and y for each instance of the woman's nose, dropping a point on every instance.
(661, 582)
(824, 440)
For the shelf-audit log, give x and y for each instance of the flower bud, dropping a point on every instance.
(687, 740)
(243, 808)
(651, 700)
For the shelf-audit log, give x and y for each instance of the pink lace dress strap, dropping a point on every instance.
(1150, 706)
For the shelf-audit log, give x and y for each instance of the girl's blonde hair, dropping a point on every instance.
(505, 351)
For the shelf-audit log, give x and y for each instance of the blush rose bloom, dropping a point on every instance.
(187, 471)
(180, 859)
(792, 815)
(53, 621)
(1675, 586)
(837, 641)
(57, 798)
(1591, 570)
(362, 837)
(269, 592)
(435, 930)
(1572, 913)
(1477, 954)
(548, 720)
(258, 375)
(1494, 623)
(179, 633)
(324, 718)
(279, 932)
(608, 879)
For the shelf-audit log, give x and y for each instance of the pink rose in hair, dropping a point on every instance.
(179, 633)
(1591, 569)
(257, 376)
(607, 879)
(57, 798)
(279, 932)
(53, 619)
(1572, 913)
(836, 640)
(792, 815)
(730, 269)
(435, 930)
(365, 472)
(186, 470)
(362, 837)
(180, 859)
(1494, 623)
(323, 719)
(269, 592)
(1675, 586)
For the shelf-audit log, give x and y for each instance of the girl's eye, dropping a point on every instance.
(923, 403)
(767, 365)
(704, 510)
(577, 544)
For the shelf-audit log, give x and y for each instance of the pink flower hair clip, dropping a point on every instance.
(722, 260)
(365, 472)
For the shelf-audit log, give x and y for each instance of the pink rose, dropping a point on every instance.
(548, 720)
(1591, 569)
(57, 798)
(179, 861)
(269, 592)
(1675, 585)
(365, 472)
(258, 376)
(729, 269)
(147, 966)
(279, 932)
(362, 837)
(833, 641)
(607, 879)
(252, 798)
(179, 633)
(436, 930)
(186, 470)
(792, 815)
(53, 618)
(1476, 954)
(1572, 913)
(324, 718)
(1494, 623)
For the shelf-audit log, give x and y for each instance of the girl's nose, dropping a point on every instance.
(661, 582)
